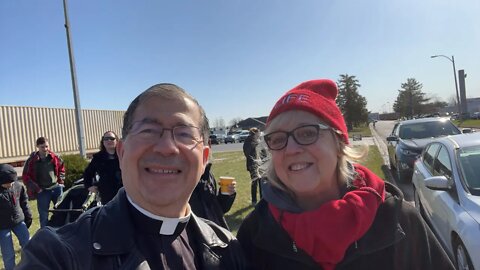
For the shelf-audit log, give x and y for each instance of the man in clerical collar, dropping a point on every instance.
(149, 224)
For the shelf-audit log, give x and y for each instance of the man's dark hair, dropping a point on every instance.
(41, 140)
(170, 92)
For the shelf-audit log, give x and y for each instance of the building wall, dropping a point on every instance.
(473, 105)
(21, 126)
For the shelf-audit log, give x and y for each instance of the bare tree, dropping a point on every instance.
(218, 123)
(235, 121)
(452, 100)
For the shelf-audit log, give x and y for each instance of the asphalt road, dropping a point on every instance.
(229, 147)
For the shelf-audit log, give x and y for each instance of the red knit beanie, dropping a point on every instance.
(317, 97)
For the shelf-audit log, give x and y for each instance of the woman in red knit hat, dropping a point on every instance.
(320, 210)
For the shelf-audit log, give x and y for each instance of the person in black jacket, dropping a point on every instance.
(15, 214)
(149, 224)
(252, 161)
(320, 210)
(105, 165)
(208, 203)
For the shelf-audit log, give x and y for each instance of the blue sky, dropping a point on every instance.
(236, 57)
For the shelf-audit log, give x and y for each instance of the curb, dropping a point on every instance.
(382, 148)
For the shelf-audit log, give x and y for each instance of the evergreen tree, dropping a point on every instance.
(351, 103)
(411, 100)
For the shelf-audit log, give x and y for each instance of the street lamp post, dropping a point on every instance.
(456, 84)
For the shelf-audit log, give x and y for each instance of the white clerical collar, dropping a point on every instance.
(168, 224)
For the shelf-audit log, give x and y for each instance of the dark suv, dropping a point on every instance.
(409, 137)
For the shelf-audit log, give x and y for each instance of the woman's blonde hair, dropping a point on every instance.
(346, 156)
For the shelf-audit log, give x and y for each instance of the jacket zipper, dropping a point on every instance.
(294, 247)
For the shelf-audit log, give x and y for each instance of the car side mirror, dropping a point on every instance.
(438, 183)
(467, 130)
(392, 139)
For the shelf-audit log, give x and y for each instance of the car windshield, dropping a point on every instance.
(469, 159)
(428, 130)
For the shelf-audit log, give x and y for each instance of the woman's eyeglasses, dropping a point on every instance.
(109, 139)
(303, 135)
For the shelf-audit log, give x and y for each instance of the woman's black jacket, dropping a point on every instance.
(397, 240)
(110, 176)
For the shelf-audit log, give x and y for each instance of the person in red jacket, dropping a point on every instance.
(44, 175)
(320, 210)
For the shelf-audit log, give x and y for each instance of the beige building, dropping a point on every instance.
(21, 126)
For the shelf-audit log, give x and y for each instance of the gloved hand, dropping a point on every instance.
(28, 222)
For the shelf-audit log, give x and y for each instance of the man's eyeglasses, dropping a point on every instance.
(188, 136)
(303, 135)
(109, 139)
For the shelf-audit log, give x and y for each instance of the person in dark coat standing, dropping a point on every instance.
(207, 202)
(15, 214)
(105, 165)
(252, 159)
(320, 209)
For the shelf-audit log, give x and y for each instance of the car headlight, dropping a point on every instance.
(409, 152)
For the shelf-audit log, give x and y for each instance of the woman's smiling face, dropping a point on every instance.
(308, 171)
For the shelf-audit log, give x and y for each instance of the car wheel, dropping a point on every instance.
(462, 259)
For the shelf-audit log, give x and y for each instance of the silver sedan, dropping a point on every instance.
(446, 181)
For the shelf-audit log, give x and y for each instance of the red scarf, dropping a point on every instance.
(326, 232)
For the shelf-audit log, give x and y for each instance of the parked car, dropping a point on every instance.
(409, 137)
(232, 137)
(475, 115)
(446, 182)
(216, 139)
(243, 135)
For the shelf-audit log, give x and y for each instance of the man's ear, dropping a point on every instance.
(120, 150)
(206, 152)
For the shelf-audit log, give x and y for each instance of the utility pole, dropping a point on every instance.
(463, 95)
(76, 97)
